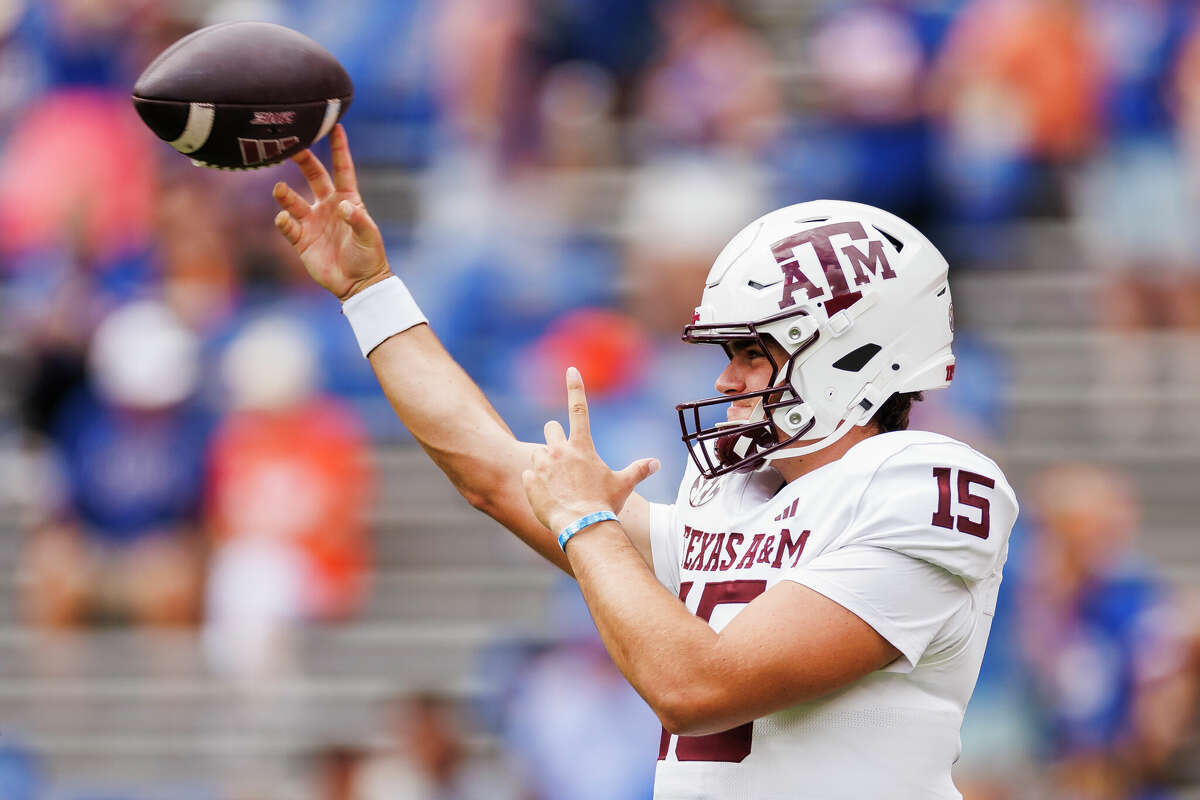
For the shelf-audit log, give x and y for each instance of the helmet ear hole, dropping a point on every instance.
(858, 358)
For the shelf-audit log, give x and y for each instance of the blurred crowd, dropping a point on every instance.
(195, 424)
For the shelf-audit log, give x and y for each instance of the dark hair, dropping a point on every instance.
(893, 414)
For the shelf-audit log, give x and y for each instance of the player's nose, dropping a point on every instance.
(730, 380)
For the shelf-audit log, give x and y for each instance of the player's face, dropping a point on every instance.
(749, 370)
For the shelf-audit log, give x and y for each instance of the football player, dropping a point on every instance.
(809, 617)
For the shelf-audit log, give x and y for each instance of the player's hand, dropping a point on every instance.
(338, 242)
(568, 478)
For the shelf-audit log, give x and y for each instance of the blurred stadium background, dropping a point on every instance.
(227, 572)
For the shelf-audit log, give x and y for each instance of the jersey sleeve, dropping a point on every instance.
(915, 605)
(943, 504)
(931, 523)
(664, 545)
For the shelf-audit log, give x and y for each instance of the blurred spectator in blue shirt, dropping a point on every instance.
(77, 183)
(867, 138)
(120, 544)
(22, 71)
(712, 84)
(1104, 639)
(616, 35)
(389, 49)
(88, 42)
(577, 726)
(22, 773)
(508, 241)
(1136, 208)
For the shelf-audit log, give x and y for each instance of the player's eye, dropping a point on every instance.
(746, 351)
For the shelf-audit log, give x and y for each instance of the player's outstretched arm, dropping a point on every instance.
(342, 250)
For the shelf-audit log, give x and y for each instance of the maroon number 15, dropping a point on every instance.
(943, 517)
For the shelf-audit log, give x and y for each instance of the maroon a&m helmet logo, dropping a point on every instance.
(841, 295)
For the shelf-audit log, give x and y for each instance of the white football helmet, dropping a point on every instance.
(858, 299)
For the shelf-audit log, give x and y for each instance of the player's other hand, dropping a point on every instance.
(568, 478)
(338, 242)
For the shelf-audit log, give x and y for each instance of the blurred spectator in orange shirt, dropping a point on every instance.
(1036, 57)
(1016, 90)
(291, 482)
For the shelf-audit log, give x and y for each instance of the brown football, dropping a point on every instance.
(242, 95)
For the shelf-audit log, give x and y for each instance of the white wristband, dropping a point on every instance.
(381, 311)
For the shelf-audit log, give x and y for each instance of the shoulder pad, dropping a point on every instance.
(935, 499)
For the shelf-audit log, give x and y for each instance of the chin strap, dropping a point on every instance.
(804, 449)
(859, 414)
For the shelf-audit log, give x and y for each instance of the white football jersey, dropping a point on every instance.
(908, 530)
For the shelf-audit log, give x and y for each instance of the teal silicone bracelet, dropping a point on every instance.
(581, 523)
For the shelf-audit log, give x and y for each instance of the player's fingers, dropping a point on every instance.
(344, 179)
(554, 432)
(314, 172)
(360, 221)
(577, 408)
(288, 226)
(290, 201)
(637, 472)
